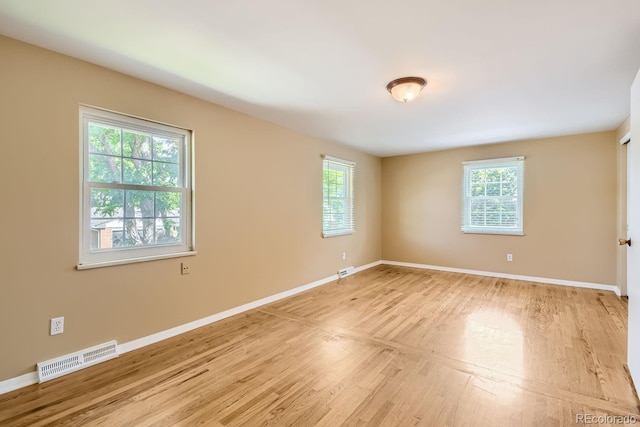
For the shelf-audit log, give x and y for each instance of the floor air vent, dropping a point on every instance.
(346, 272)
(63, 365)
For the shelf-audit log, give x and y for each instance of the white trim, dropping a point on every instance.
(633, 374)
(501, 231)
(368, 266)
(560, 282)
(626, 138)
(340, 233)
(115, 113)
(91, 265)
(100, 258)
(468, 199)
(18, 382)
(347, 168)
(488, 161)
(338, 160)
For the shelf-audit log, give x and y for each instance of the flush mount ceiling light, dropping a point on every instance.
(406, 88)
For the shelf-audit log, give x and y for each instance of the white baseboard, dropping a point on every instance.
(32, 377)
(561, 282)
(18, 382)
(368, 266)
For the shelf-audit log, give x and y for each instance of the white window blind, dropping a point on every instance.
(337, 196)
(493, 196)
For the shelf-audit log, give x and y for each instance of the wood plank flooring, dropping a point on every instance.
(389, 346)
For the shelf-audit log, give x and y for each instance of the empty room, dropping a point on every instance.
(319, 213)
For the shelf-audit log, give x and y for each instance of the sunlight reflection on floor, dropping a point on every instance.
(496, 341)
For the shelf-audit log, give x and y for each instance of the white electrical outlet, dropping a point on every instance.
(344, 256)
(57, 325)
(509, 257)
(185, 268)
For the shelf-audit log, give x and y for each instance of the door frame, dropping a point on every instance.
(622, 227)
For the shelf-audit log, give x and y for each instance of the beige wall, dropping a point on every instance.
(621, 199)
(258, 212)
(569, 210)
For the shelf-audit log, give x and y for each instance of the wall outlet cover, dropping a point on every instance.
(184, 268)
(57, 326)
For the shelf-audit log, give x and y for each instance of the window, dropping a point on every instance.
(337, 197)
(136, 190)
(493, 196)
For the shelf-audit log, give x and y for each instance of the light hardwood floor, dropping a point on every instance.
(388, 346)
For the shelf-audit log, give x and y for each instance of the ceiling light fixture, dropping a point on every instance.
(405, 89)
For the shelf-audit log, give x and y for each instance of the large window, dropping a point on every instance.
(493, 196)
(337, 200)
(136, 189)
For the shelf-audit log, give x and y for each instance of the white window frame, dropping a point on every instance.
(348, 167)
(469, 167)
(125, 255)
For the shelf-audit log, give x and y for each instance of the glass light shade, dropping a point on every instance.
(406, 88)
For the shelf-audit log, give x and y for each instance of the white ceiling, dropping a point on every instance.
(497, 70)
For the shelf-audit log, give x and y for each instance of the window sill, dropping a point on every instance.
(495, 233)
(346, 233)
(92, 265)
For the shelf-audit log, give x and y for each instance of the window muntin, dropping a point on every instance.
(337, 199)
(136, 189)
(493, 196)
